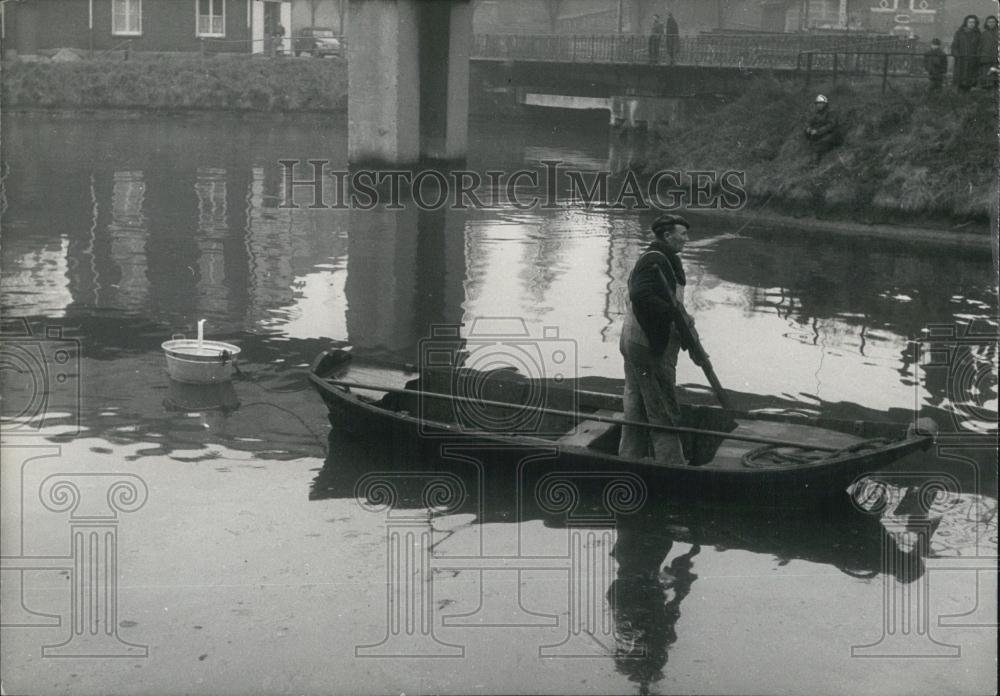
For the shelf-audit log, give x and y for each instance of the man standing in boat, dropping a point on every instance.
(650, 344)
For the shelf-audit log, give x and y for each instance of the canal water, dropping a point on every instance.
(266, 552)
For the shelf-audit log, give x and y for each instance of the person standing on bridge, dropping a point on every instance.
(988, 60)
(936, 65)
(655, 36)
(650, 344)
(673, 37)
(965, 49)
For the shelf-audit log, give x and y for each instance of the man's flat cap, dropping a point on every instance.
(665, 222)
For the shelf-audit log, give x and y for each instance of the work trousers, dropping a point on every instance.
(649, 397)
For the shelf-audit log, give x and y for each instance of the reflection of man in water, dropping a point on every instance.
(645, 600)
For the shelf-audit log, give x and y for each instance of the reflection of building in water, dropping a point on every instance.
(129, 234)
(36, 281)
(269, 240)
(291, 253)
(213, 228)
(319, 304)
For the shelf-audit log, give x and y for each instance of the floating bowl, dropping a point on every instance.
(205, 362)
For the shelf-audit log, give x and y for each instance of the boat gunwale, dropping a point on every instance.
(908, 443)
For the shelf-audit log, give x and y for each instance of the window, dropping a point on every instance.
(126, 17)
(211, 17)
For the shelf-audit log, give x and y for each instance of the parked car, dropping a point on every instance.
(316, 41)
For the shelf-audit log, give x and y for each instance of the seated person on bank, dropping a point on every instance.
(824, 131)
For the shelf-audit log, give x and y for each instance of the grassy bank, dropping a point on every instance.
(907, 157)
(235, 83)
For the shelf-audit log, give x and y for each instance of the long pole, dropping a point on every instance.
(696, 350)
(580, 416)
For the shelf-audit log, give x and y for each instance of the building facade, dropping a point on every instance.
(232, 26)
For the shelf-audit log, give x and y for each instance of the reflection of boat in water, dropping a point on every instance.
(502, 409)
(657, 544)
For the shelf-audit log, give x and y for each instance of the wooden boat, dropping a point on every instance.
(734, 455)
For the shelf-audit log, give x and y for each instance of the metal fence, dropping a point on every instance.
(775, 51)
(856, 65)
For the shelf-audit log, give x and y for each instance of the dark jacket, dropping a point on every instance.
(936, 63)
(965, 49)
(827, 125)
(656, 29)
(649, 298)
(988, 47)
(672, 28)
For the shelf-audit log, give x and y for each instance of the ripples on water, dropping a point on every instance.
(123, 233)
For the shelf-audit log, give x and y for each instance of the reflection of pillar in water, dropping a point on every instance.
(410, 620)
(905, 583)
(405, 274)
(94, 552)
(440, 272)
(381, 270)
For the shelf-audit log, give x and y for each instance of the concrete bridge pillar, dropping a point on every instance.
(408, 73)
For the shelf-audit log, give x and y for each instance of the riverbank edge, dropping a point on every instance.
(232, 83)
(984, 239)
(906, 157)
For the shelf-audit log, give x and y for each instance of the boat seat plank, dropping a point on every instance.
(587, 431)
(731, 452)
(365, 374)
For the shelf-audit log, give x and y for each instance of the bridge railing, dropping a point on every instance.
(856, 65)
(777, 51)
